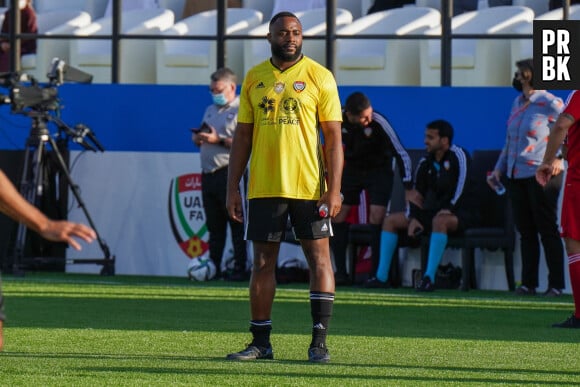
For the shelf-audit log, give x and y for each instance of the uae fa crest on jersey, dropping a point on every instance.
(187, 216)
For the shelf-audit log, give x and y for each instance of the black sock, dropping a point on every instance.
(321, 310)
(261, 331)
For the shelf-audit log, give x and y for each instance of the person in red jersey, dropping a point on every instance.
(567, 128)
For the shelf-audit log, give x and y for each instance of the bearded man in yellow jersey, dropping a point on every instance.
(285, 104)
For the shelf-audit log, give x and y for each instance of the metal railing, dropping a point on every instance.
(221, 37)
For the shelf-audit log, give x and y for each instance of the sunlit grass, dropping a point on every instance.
(89, 330)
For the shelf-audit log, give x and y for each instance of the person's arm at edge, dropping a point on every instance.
(555, 140)
(17, 208)
(239, 155)
(334, 157)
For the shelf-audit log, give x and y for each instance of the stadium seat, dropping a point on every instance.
(475, 62)
(175, 6)
(95, 8)
(191, 62)
(523, 48)
(264, 6)
(60, 22)
(137, 57)
(538, 6)
(132, 5)
(383, 62)
(313, 24)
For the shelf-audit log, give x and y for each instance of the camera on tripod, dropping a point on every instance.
(42, 105)
(27, 93)
(30, 98)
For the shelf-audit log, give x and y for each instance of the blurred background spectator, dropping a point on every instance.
(27, 26)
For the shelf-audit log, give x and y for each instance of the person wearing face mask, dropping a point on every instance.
(27, 26)
(370, 145)
(214, 138)
(534, 207)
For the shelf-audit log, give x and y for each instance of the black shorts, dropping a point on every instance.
(268, 218)
(378, 182)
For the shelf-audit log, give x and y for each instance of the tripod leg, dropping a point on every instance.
(30, 188)
(108, 267)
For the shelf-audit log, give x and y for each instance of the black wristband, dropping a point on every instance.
(222, 142)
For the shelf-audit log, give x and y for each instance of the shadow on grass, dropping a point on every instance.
(523, 321)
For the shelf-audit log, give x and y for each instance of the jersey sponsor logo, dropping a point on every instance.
(267, 105)
(289, 121)
(260, 85)
(446, 165)
(324, 228)
(299, 86)
(290, 105)
(279, 87)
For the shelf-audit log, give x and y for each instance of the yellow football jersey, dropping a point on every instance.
(285, 108)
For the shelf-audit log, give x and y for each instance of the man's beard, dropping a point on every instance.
(278, 52)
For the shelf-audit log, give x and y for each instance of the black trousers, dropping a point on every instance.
(213, 192)
(535, 212)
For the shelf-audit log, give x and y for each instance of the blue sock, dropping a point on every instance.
(436, 249)
(388, 246)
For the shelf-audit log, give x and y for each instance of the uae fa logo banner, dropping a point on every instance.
(186, 215)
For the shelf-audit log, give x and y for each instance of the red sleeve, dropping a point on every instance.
(573, 105)
(28, 25)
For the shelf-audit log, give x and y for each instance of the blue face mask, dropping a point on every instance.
(219, 99)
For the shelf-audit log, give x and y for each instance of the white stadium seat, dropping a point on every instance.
(383, 61)
(476, 62)
(313, 24)
(191, 62)
(95, 8)
(538, 6)
(137, 57)
(523, 48)
(60, 22)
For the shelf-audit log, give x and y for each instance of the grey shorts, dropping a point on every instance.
(267, 220)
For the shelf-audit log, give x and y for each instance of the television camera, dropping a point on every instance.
(28, 97)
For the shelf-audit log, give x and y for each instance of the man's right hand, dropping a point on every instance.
(415, 228)
(234, 206)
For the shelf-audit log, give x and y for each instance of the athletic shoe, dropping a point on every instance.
(552, 292)
(375, 283)
(318, 354)
(571, 322)
(425, 285)
(252, 352)
(523, 290)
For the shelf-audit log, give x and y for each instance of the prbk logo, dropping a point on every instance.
(187, 216)
(557, 54)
